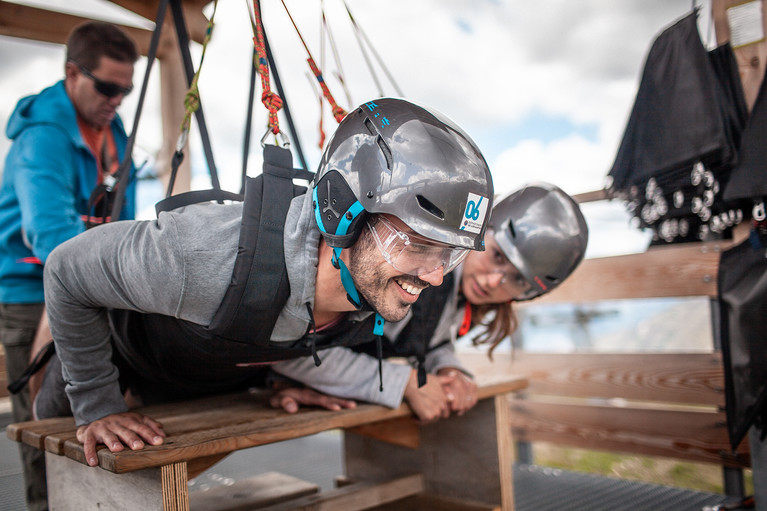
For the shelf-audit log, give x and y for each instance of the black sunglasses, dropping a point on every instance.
(108, 89)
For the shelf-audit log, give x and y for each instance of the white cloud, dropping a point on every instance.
(573, 163)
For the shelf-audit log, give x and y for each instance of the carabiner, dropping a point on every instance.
(285, 141)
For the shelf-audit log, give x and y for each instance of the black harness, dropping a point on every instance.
(236, 346)
(413, 340)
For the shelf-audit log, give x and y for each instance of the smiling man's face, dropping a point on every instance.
(389, 291)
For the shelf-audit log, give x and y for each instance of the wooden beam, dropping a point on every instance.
(693, 378)
(196, 22)
(688, 269)
(593, 196)
(37, 24)
(694, 435)
(356, 496)
(53, 27)
(254, 492)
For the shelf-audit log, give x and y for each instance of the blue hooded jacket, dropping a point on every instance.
(48, 178)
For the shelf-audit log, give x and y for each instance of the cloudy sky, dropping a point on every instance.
(544, 88)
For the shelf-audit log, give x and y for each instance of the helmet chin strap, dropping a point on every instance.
(346, 278)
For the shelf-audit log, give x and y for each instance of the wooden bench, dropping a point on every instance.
(388, 456)
(651, 404)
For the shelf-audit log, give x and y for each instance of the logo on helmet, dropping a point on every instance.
(474, 214)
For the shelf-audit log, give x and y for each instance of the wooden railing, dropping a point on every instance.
(653, 404)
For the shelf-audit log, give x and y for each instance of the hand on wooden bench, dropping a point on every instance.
(117, 431)
(134, 430)
(291, 398)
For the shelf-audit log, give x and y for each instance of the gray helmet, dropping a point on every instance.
(542, 232)
(392, 156)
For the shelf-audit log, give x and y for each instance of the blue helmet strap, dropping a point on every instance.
(346, 278)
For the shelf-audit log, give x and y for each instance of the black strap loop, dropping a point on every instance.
(42, 358)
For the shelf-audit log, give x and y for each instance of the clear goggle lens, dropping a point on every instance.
(413, 254)
(496, 262)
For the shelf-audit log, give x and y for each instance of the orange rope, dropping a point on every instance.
(271, 100)
(338, 112)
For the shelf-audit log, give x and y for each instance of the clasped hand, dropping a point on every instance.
(448, 391)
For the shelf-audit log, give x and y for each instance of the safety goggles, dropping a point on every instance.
(413, 254)
(108, 89)
(496, 262)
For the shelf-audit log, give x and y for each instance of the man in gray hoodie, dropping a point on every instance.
(401, 195)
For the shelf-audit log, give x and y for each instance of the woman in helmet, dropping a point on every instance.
(536, 237)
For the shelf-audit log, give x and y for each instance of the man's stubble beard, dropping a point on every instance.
(368, 270)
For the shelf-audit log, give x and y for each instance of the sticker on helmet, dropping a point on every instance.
(474, 214)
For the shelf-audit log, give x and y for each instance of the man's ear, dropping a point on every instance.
(70, 70)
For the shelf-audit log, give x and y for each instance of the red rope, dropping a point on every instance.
(271, 100)
(338, 112)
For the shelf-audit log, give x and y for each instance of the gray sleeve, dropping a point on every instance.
(444, 356)
(141, 266)
(113, 266)
(351, 375)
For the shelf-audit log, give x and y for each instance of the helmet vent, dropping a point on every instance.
(511, 229)
(370, 127)
(430, 207)
(386, 152)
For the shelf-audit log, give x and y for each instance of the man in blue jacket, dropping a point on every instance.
(67, 142)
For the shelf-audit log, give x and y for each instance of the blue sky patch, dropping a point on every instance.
(537, 126)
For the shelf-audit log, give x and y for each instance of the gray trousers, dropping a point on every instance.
(18, 325)
(758, 467)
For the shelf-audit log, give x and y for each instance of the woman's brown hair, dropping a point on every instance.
(502, 324)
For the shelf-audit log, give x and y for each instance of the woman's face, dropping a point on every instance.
(488, 277)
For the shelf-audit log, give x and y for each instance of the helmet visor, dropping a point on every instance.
(413, 254)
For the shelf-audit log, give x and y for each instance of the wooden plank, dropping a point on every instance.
(593, 196)
(53, 27)
(696, 378)
(687, 269)
(699, 436)
(34, 433)
(356, 496)
(403, 431)
(430, 502)
(751, 59)
(262, 490)
(222, 424)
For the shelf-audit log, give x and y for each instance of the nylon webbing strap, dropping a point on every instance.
(183, 42)
(258, 275)
(123, 173)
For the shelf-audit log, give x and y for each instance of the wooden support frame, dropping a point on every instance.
(466, 458)
(200, 433)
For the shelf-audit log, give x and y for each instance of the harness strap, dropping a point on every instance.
(123, 172)
(183, 43)
(42, 358)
